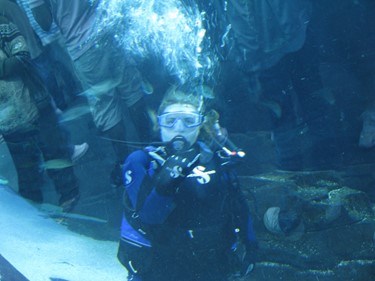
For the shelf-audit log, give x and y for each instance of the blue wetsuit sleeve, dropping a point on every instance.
(137, 173)
(156, 208)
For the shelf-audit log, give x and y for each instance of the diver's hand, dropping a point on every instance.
(181, 165)
(174, 170)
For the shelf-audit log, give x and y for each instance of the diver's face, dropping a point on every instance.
(182, 120)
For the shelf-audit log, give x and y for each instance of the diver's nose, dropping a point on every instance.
(179, 126)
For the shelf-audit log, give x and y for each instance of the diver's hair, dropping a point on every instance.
(183, 94)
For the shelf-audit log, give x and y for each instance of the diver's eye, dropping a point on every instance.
(190, 121)
(170, 121)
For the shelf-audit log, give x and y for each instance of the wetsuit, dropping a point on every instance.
(187, 235)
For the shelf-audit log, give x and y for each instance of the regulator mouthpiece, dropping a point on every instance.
(179, 143)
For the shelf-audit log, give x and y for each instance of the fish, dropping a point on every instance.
(154, 119)
(367, 136)
(207, 92)
(54, 164)
(273, 106)
(56, 212)
(5, 112)
(3, 181)
(74, 113)
(326, 95)
(147, 87)
(100, 89)
(60, 216)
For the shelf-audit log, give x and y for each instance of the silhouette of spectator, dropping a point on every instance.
(258, 49)
(111, 81)
(346, 40)
(255, 35)
(54, 62)
(29, 124)
(270, 50)
(13, 12)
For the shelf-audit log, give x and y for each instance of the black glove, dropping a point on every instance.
(174, 170)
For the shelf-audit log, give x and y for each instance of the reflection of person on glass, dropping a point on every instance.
(28, 122)
(185, 217)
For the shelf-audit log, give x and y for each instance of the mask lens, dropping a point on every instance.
(189, 120)
(168, 121)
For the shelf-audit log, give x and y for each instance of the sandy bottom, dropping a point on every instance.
(43, 250)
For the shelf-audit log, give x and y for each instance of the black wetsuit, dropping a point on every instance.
(187, 236)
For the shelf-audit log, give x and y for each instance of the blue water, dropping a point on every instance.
(297, 112)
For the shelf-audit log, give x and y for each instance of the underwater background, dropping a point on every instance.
(302, 107)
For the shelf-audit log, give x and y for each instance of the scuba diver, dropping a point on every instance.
(185, 217)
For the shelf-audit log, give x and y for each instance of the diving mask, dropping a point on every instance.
(188, 119)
